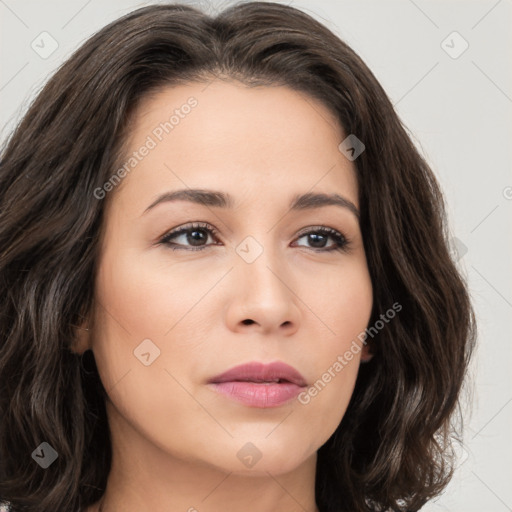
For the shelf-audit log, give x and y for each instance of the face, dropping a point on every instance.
(251, 278)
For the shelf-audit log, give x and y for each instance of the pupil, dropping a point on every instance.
(193, 238)
(318, 237)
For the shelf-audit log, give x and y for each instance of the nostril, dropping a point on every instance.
(248, 321)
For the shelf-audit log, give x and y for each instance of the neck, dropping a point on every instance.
(226, 492)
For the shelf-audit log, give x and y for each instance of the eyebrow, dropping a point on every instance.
(217, 199)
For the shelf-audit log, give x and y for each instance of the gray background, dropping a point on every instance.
(458, 112)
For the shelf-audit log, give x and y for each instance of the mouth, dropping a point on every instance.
(260, 385)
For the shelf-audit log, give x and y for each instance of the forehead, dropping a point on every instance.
(224, 135)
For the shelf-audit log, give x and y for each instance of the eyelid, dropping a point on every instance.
(187, 227)
(343, 246)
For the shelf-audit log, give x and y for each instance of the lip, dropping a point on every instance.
(260, 385)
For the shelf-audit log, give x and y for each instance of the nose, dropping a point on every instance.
(263, 297)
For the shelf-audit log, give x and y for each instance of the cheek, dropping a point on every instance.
(134, 306)
(345, 308)
(149, 298)
(323, 404)
(343, 304)
(325, 400)
(136, 312)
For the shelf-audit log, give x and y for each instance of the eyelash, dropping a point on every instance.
(342, 243)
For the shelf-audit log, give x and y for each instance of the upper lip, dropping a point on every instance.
(261, 372)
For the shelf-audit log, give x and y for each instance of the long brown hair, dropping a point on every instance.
(392, 448)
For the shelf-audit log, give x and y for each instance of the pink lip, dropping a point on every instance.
(254, 384)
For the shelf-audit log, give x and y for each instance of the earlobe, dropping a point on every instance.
(81, 339)
(366, 354)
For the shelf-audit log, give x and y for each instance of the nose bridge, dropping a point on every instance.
(265, 285)
(261, 261)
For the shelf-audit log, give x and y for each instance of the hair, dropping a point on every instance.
(393, 449)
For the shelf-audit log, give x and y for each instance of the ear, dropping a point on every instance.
(81, 338)
(366, 354)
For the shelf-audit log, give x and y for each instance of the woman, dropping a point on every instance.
(225, 279)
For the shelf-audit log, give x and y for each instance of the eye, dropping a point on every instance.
(197, 234)
(319, 235)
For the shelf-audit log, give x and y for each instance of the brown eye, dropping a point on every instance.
(319, 236)
(194, 235)
(195, 238)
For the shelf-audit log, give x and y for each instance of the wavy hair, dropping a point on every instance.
(393, 449)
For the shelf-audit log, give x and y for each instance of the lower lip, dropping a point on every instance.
(256, 394)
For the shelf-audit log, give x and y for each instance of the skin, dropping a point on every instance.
(175, 440)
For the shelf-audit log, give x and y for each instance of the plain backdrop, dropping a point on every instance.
(446, 65)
